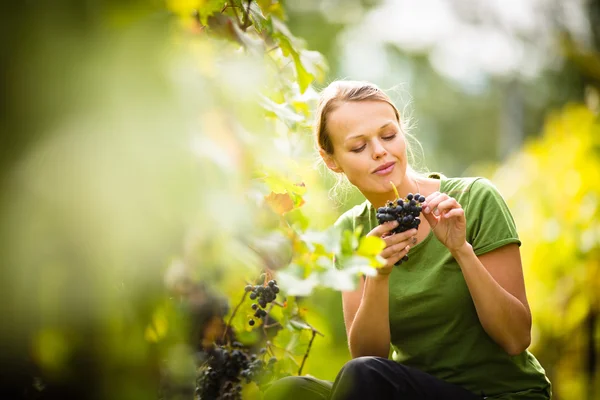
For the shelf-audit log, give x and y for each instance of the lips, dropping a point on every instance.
(384, 169)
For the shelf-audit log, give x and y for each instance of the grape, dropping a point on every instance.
(406, 211)
(221, 377)
(265, 295)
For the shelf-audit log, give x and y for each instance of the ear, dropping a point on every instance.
(330, 162)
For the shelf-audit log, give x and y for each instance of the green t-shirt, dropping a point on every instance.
(433, 322)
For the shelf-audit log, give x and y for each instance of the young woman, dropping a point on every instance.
(454, 317)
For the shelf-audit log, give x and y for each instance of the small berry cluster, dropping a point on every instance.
(405, 211)
(265, 294)
(226, 370)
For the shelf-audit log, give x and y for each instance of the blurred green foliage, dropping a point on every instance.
(155, 157)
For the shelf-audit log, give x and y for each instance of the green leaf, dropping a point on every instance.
(328, 239)
(281, 184)
(185, 8)
(314, 63)
(269, 7)
(281, 111)
(294, 286)
(259, 20)
(299, 325)
(370, 246)
(303, 77)
(292, 47)
(348, 243)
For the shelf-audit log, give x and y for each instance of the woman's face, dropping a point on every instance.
(368, 146)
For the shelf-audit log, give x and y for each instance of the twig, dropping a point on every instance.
(314, 333)
(246, 19)
(272, 325)
(237, 17)
(233, 315)
(265, 318)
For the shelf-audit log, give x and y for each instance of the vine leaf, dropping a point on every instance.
(281, 203)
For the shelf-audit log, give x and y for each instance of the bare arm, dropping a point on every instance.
(366, 309)
(366, 314)
(495, 281)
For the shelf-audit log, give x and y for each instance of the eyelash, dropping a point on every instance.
(361, 148)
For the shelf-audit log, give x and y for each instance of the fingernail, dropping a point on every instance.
(436, 212)
(427, 210)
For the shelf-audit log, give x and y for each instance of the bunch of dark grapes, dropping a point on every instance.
(265, 295)
(225, 371)
(406, 211)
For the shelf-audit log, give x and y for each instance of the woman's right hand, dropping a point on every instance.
(396, 245)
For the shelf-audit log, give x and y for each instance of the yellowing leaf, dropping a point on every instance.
(280, 202)
(370, 246)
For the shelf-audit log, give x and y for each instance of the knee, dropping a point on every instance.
(363, 369)
(361, 365)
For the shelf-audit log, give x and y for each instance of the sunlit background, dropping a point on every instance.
(157, 156)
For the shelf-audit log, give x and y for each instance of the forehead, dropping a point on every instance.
(359, 118)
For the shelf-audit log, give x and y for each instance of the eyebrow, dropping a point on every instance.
(359, 135)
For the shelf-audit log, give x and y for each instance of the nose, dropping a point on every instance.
(378, 150)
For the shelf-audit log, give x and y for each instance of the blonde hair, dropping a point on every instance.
(339, 92)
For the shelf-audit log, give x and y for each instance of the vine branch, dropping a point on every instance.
(233, 315)
(314, 333)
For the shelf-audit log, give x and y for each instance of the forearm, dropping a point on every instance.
(504, 317)
(369, 334)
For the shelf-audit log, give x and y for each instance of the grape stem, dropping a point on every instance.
(233, 315)
(395, 190)
(272, 325)
(314, 333)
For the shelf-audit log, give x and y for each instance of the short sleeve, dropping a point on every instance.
(490, 224)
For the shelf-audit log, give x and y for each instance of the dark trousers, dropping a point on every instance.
(366, 378)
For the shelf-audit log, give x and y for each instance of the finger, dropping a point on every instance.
(398, 256)
(431, 196)
(431, 205)
(447, 205)
(399, 237)
(395, 249)
(382, 229)
(455, 213)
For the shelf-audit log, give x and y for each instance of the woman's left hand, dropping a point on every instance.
(447, 219)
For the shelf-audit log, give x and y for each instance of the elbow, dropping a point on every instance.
(518, 346)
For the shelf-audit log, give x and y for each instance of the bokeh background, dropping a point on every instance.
(136, 154)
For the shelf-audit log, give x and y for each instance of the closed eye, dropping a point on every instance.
(359, 149)
(386, 138)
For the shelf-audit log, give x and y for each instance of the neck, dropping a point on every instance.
(409, 184)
